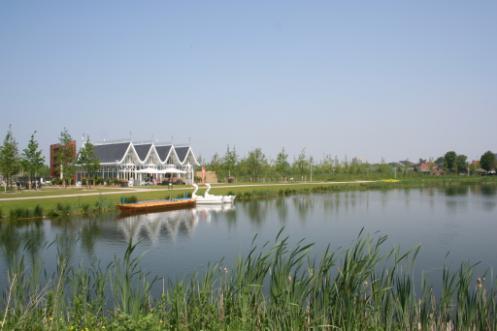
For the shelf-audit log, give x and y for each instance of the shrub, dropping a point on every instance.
(20, 213)
(60, 210)
(38, 211)
(85, 209)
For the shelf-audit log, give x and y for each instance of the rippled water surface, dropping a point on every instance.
(461, 221)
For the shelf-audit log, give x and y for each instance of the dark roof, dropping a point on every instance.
(182, 151)
(142, 150)
(111, 152)
(163, 151)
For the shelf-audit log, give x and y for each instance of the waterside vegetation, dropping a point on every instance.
(364, 287)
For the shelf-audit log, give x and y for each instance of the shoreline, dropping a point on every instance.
(97, 203)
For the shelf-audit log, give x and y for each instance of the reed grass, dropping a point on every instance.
(278, 287)
(100, 207)
(26, 213)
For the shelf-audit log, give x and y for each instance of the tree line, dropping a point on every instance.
(30, 162)
(256, 166)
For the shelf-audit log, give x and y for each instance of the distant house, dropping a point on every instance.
(424, 167)
(437, 170)
(429, 168)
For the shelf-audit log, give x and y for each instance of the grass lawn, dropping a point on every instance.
(55, 191)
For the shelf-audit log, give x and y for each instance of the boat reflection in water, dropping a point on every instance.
(167, 224)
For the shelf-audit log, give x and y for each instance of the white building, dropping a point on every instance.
(145, 161)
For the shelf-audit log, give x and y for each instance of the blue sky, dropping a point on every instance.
(375, 79)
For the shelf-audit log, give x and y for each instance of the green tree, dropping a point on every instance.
(301, 164)
(9, 158)
(488, 161)
(66, 157)
(32, 159)
(327, 166)
(89, 161)
(255, 164)
(384, 168)
(474, 166)
(461, 163)
(282, 167)
(450, 161)
(440, 162)
(216, 165)
(230, 160)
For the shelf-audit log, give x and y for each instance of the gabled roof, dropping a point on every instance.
(116, 151)
(182, 152)
(163, 151)
(107, 153)
(142, 150)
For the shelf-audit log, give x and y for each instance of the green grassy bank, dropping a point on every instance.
(81, 205)
(278, 288)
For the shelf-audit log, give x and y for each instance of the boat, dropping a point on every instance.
(155, 206)
(211, 199)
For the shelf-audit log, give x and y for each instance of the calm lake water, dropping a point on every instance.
(461, 221)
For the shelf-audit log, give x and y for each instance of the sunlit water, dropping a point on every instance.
(461, 221)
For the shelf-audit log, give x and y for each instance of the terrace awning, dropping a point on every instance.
(172, 171)
(148, 171)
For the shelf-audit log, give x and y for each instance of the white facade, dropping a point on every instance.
(145, 162)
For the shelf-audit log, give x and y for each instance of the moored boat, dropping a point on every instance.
(211, 199)
(155, 206)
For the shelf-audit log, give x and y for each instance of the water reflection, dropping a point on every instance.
(460, 220)
(256, 210)
(457, 190)
(168, 224)
(89, 233)
(34, 238)
(281, 209)
(10, 241)
(65, 242)
(303, 205)
(209, 213)
(18, 237)
(488, 190)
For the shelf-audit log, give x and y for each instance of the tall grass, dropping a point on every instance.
(25, 213)
(278, 287)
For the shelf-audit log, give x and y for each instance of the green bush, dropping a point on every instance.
(20, 213)
(60, 210)
(85, 209)
(38, 211)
